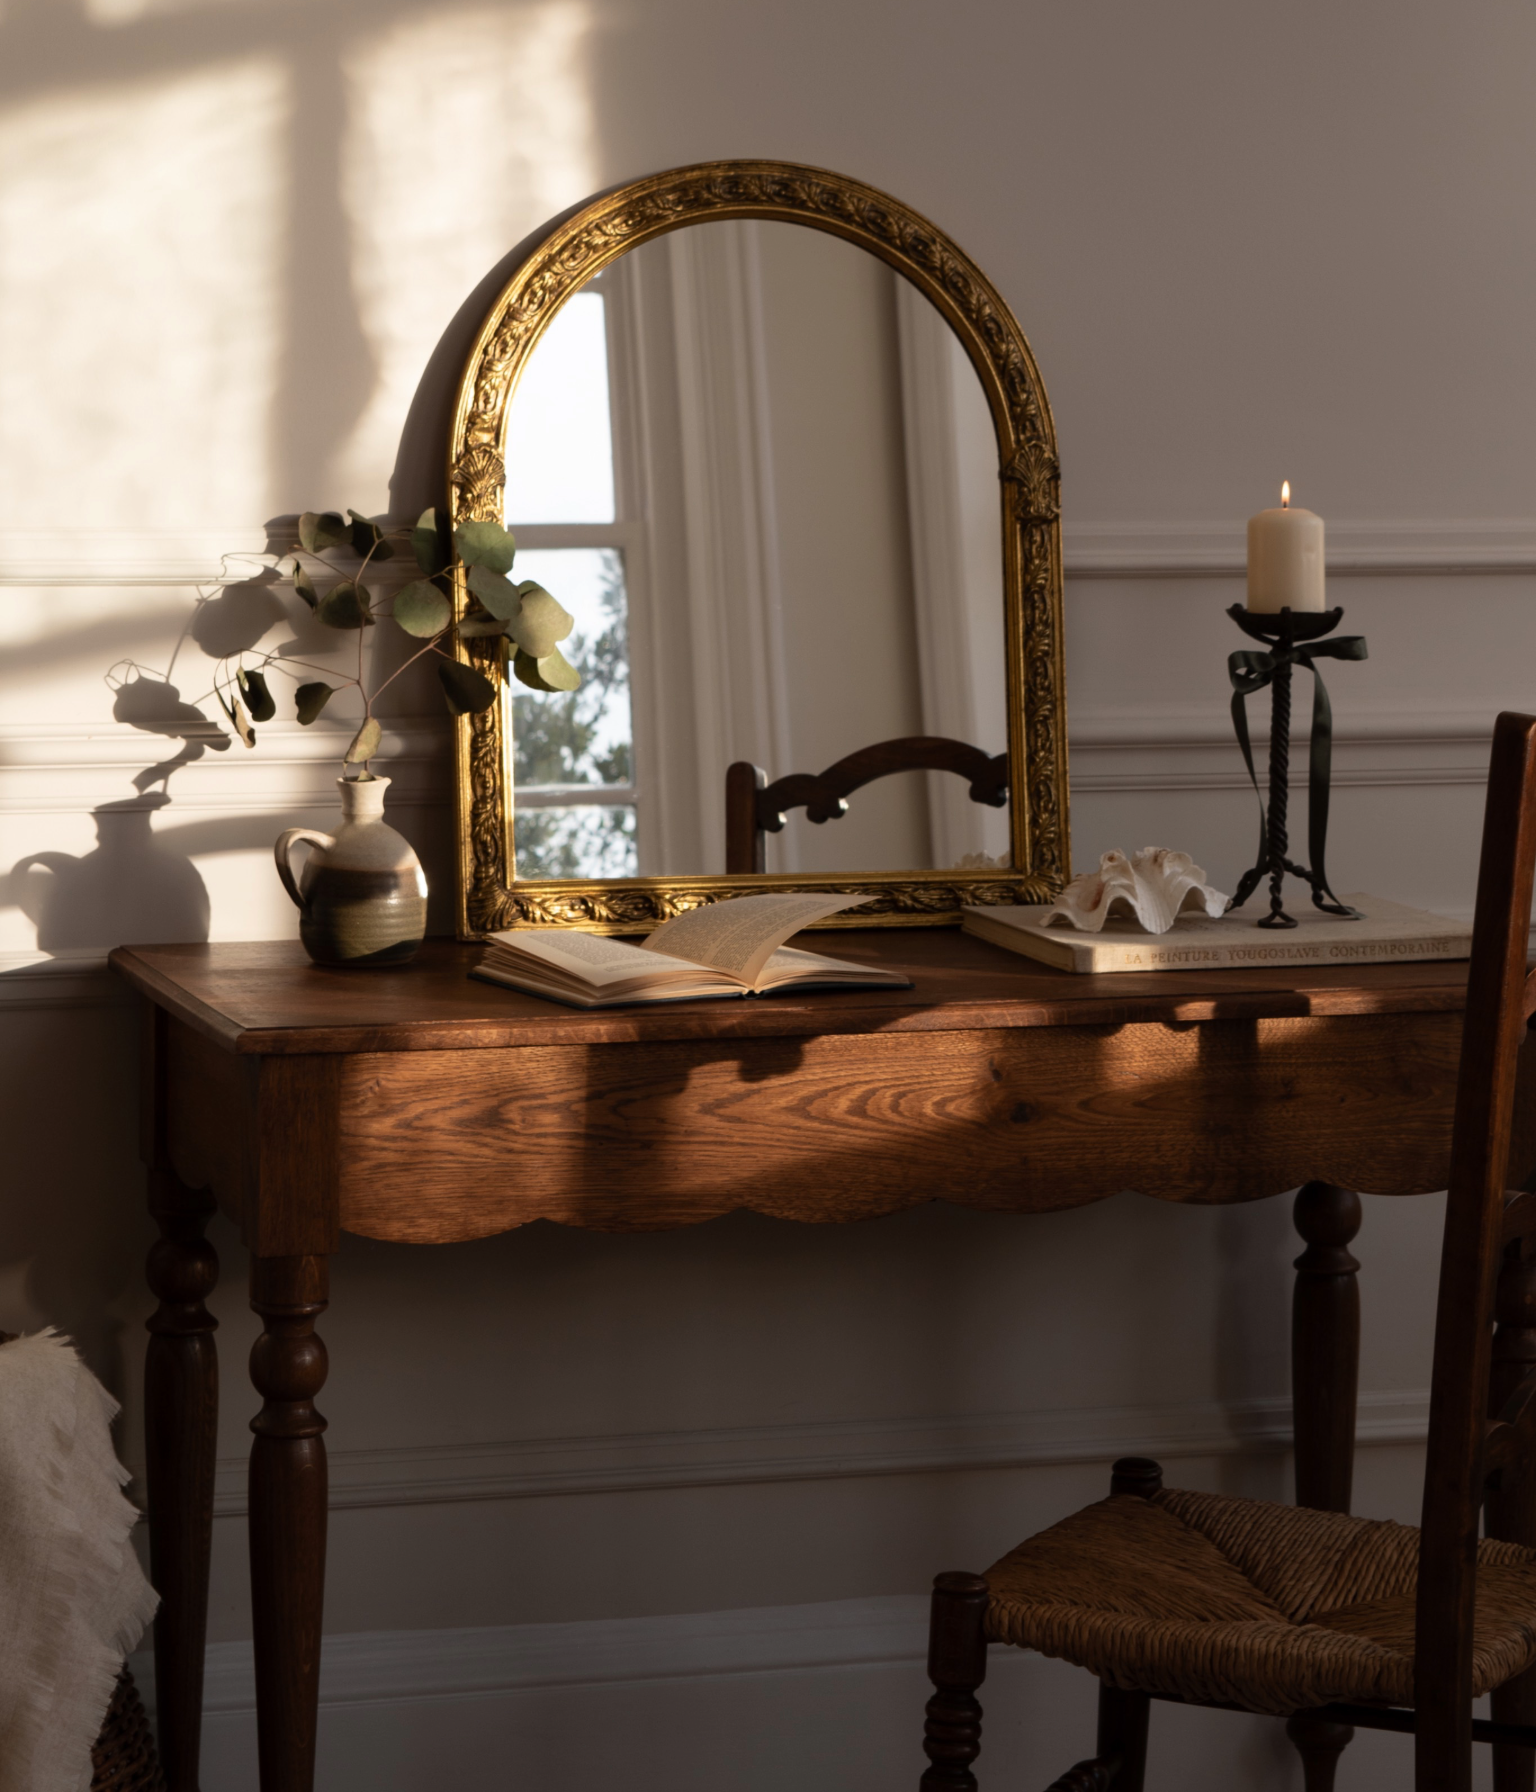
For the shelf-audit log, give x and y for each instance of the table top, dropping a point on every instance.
(266, 998)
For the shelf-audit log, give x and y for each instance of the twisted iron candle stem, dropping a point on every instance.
(1279, 787)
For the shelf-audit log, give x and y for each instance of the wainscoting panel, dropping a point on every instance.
(818, 1698)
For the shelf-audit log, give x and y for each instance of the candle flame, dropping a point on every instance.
(1285, 494)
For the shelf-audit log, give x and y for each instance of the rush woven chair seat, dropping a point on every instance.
(1332, 1620)
(1221, 1601)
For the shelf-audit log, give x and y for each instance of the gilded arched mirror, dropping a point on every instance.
(783, 453)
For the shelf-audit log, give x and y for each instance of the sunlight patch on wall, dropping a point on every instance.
(128, 12)
(139, 257)
(465, 131)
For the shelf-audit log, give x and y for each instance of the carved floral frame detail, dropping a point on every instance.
(491, 897)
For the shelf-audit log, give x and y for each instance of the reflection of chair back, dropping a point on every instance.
(754, 807)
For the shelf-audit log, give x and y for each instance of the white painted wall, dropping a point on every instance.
(1244, 249)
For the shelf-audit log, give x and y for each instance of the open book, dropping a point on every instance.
(731, 948)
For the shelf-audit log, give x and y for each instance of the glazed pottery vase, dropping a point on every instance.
(361, 896)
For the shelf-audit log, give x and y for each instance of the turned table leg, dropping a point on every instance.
(1325, 1346)
(181, 1409)
(1512, 1496)
(287, 1516)
(1325, 1365)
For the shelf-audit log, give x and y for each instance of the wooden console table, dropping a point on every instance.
(401, 1105)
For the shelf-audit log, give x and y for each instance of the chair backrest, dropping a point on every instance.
(754, 807)
(1481, 1218)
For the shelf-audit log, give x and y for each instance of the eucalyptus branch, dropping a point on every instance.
(531, 622)
(430, 647)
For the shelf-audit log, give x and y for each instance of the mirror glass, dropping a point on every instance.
(757, 467)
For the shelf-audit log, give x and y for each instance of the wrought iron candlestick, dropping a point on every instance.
(1294, 639)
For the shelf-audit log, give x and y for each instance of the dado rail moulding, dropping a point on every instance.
(1120, 550)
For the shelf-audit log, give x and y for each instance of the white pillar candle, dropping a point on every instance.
(1285, 558)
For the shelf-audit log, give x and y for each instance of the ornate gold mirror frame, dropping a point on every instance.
(490, 895)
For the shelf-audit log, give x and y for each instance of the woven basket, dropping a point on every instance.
(124, 1759)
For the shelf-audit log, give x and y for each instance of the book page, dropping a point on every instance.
(592, 957)
(740, 935)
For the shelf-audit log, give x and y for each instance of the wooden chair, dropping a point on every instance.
(754, 807)
(1335, 1621)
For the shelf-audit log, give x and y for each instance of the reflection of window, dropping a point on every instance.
(762, 477)
(574, 751)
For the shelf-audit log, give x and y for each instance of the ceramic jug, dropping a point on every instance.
(361, 896)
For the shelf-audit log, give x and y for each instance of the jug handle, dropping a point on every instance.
(282, 852)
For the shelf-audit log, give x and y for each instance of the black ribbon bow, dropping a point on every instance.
(1251, 671)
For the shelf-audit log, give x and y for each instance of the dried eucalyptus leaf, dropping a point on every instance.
(259, 699)
(345, 606)
(540, 622)
(557, 671)
(242, 723)
(485, 544)
(551, 672)
(368, 538)
(426, 543)
(304, 585)
(499, 595)
(421, 609)
(365, 743)
(322, 530)
(310, 699)
(468, 691)
(476, 628)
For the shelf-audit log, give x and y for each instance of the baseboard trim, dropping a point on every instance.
(543, 1468)
(1356, 547)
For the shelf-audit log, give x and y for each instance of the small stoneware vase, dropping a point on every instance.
(361, 896)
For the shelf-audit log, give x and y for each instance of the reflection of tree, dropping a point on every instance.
(558, 741)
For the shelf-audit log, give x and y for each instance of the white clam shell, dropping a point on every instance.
(1154, 887)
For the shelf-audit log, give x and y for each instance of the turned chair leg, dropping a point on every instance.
(957, 1665)
(1512, 1492)
(1123, 1719)
(1319, 1741)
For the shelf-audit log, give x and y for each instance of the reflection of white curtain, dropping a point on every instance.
(759, 401)
(707, 622)
(735, 602)
(953, 499)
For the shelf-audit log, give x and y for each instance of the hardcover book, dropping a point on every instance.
(1386, 933)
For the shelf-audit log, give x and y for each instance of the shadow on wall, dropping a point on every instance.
(134, 886)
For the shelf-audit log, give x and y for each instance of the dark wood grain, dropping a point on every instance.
(266, 999)
(1124, 1722)
(1319, 1740)
(1511, 1510)
(1453, 1487)
(181, 1412)
(287, 1516)
(1325, 1345)
(957, 1665)
(437, 1146)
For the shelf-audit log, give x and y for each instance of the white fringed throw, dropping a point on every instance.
(73, 1600)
